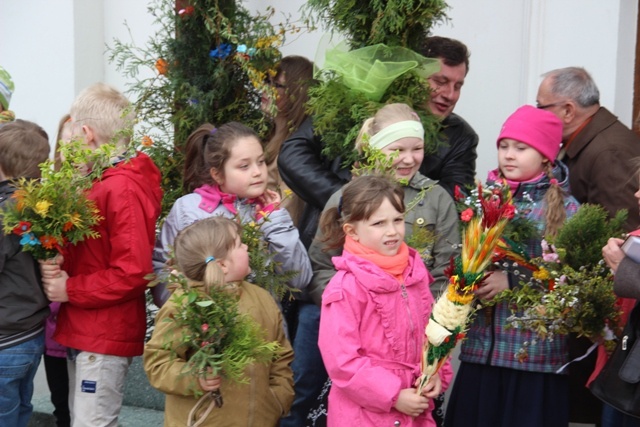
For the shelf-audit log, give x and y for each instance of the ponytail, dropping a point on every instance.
(555, 214)
(199, 246)
(196, 173)
(331, 228)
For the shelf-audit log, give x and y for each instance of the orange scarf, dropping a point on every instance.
(394, 265)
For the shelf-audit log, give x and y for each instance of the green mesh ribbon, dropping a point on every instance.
(372, 69)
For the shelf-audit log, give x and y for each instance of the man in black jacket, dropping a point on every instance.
(454, 162)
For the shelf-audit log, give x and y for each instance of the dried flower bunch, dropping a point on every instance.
(452, 311)
(54, 211)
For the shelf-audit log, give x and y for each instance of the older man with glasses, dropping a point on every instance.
(600, 153)
(596, 147)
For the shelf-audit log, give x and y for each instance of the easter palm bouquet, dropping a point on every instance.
(482, 231)
(570, 290)
(217, 337)
(54, 211)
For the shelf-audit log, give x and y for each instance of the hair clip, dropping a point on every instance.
(212, 131)
(208, 259)
(553, 181)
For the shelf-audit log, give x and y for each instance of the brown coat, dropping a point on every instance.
(601, 168)
(260, 403)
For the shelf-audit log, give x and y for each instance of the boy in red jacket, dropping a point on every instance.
(101, 282)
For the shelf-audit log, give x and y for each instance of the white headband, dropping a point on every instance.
(396, 131)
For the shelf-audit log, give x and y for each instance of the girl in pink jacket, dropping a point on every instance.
(374, 312)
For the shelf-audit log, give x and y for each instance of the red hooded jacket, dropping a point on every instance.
(106, 310)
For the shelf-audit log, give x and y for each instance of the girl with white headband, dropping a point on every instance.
(396, 130)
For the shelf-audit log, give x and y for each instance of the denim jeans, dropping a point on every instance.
(18, 366)
(611, 417)
(309, 374)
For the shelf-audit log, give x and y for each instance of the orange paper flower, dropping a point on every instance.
(162, 66)
(48, 242)
(146, 141)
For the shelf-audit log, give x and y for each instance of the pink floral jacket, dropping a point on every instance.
(371, 336)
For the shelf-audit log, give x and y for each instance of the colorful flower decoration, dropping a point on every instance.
(221, 51)
(146, 141)
(466, 273)
(186, 11)
(29, 239)
(22, 227)
(162, 66)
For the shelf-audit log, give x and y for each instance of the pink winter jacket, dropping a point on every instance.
(371, 335)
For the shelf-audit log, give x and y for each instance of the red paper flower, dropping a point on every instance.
(457, 194)
(22, 227)
(186, 11)
(466, 215)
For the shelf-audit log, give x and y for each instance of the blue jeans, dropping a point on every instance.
(18, 366)
(309, 374)
(611, 417)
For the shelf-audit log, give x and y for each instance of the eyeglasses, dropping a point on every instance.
(555, 104)
(269, 81)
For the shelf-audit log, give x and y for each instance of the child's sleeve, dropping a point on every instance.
(164, 369)
(281, 376)
(447, 244)
(161, 250)
(284, 241)
(373, 387)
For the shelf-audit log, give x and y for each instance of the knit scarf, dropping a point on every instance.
(393, 265)
(514, 184)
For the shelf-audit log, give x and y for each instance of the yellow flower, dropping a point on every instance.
(288, 192)
(42, 207)
(454, 296)
(541, 274)
(75, 219)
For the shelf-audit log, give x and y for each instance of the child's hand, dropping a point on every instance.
(411, 403)
(210, 383)
(612, 253)
(433, 388)
(495, 283)
(50, 268)
(55, 286)
(269, 197)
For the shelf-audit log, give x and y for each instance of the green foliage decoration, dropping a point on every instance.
(369, 22)
(265, 271)
(217, 337)
(206, 63)
(587, 232)
(570, 289)
(339, 110)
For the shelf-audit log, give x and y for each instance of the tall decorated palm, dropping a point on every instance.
(378, 64)
(207, 62)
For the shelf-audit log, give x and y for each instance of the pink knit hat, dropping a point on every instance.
(537, 128)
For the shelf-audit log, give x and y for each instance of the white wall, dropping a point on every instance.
(54, 48)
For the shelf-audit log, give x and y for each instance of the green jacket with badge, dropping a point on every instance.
(428, 205)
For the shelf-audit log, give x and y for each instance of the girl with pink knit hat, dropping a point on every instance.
(497, 385)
